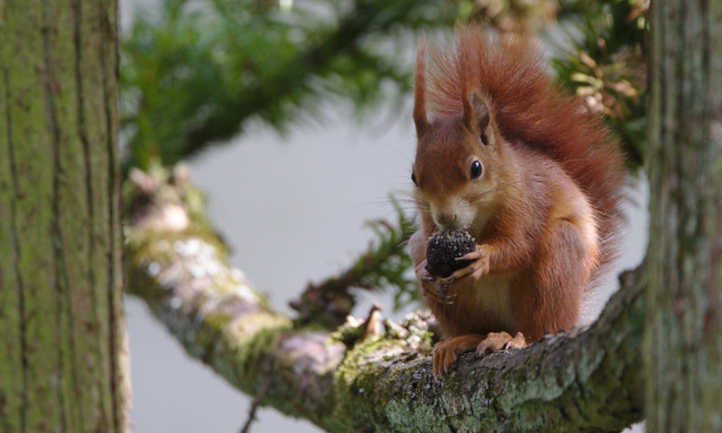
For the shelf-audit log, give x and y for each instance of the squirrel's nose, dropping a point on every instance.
(447, 220)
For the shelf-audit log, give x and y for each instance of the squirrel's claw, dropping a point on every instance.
(477, 269)
(496, 341)
(433, 287)
(440, 295)
(444, 357)
(446, 351)
(471, 256)
(426, 277)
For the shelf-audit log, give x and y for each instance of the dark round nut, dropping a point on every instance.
(443, 249)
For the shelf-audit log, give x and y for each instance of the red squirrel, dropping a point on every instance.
(529, 173)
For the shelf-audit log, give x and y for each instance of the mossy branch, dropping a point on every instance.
(380, 379)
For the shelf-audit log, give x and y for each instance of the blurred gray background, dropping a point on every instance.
(292, 209)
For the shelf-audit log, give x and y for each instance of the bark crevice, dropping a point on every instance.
(109, 104)
(64, 313)
(16, 253)
(82, 132)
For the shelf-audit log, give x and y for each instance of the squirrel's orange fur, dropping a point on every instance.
(544, 209)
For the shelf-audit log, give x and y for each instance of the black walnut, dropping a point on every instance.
(443, 249)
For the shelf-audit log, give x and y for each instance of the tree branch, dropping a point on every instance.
(217, 82)
(253, 409)
(384, 263)
(587, 380)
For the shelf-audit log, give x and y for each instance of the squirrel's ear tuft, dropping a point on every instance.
(478, 118)
(420, 118)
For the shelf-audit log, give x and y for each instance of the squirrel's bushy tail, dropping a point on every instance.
(531, 109)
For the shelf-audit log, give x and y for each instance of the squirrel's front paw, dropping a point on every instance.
(479, 266)
(432, 287)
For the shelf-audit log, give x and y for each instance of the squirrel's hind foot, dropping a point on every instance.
(446, 351)
(496, 341)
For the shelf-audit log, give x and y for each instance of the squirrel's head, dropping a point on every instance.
(459, 159)
(457, 168)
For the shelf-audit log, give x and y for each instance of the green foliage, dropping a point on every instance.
(390, 263)
(607, 66)
(384, 264)
(193, 75)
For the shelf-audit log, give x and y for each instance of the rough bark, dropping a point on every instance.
(360, 379)
(683, 341)
(62, 343)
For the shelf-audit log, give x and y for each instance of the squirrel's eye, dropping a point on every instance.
(413, 178)
(476, 169)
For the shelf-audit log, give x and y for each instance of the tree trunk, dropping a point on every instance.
(683, 341)
(62, 356)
